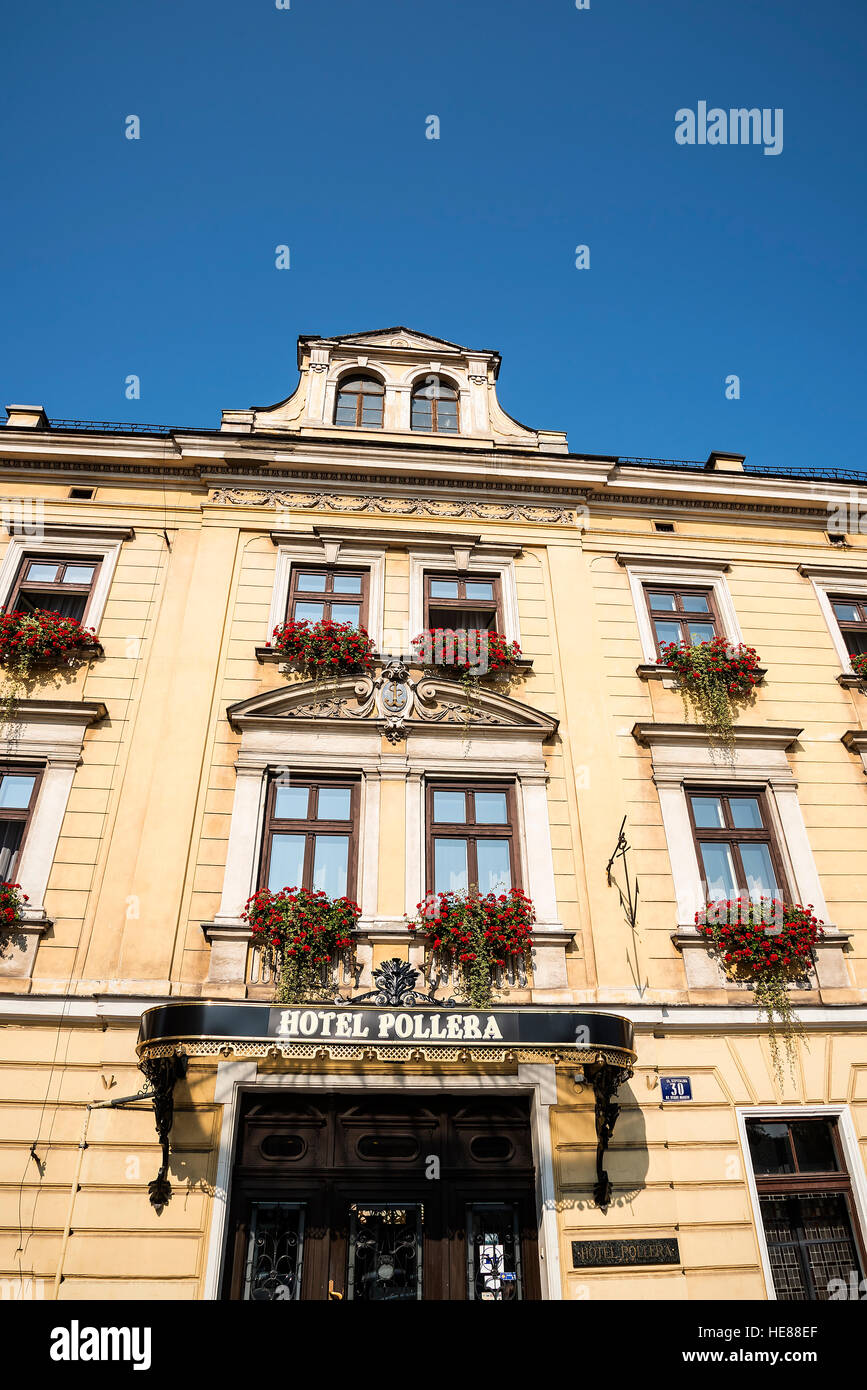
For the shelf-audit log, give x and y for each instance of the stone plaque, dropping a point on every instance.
(587, 1254)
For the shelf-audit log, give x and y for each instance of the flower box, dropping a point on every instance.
(480, 935)
(323, 649)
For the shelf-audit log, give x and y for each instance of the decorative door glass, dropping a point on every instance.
(274, 1252)
(493, 1252)
(385, 1249)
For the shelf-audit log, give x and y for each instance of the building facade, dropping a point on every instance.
(613, 1126)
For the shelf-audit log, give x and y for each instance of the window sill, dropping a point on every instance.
(20, 944)
(850, 681)
(655, 671)
(267, 655)
(703, 971)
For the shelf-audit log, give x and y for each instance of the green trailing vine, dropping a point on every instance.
(769, 945)
(478, 933)
(713, 678)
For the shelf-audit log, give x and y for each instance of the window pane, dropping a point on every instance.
(746, 812)
(78, 574)
(335, 803)
(345, 413)
(450, 808)
(367, 386)
(663, 603)
(450, 866)
(15, 790)
(371, 411)
(346, 613)
(54, 601)
(846, 612)
(769, 1146)
(479, 590)
(759, 869)
(311, 583)
(719, 871)
(331, 864)
(287, 862)
(42, 571)
(701, 632)
(290, 803)
(308, 612)
(443, 588)
(667, 632)
(495, 866)
(708, 812)
(347, 583)
(856, 640)
(491, 808)
(11, 832)
(695, 603)
(814, 1146)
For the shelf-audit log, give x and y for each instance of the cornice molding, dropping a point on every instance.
(652, 735)
(659, 557)
(428, 507)
(71, 528)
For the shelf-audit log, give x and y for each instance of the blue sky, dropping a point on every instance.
(306, 127)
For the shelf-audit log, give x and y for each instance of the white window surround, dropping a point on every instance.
(682, 759)
(305, 747)
(314, 550)
(846, 581)
(69, 540)
(676, 570)
(50, 734)
(851, 1156)
(536, 1079)
(496, 560)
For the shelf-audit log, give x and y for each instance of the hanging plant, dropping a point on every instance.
(302, 935)
(477, 934)
(471, 655)
(858, 662)
(769, 944)
(713, 677)
(41, 640)
(12, 902)
(323, 649)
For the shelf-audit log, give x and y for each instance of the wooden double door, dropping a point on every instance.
(380, 1199)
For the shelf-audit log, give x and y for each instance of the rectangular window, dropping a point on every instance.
(311, 836)
(851, 615)
(471, 838)
(316, 593)
(451, 601)
(736, 851)
(808, 1215)
(18, 790)
(682, 615)
(59, 584)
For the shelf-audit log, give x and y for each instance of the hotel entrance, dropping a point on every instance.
(376, 1199)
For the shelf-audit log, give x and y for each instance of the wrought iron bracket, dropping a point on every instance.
(395, 987)
(605, 1080)
(162, 1073)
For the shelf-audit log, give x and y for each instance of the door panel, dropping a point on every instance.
(383, 1199)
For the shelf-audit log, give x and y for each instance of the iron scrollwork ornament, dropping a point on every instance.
(395, 987)
(605, 1081)
(162, 1073)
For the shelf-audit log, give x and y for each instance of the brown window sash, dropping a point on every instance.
(680, 616)
(854, 631)
(328, 596)
(343, 399)
(470, 830)
(732, 835)
(457, 607)
(20, 816)
(309, 826)
(29, 588)
(434, 427)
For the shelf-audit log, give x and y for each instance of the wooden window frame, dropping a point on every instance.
(310, 827)
(469, 830)
(328, 596)
(434, 414)
(359, 398)
(859, 627)
(25, 814)
(60, 562)
(797, 1184)
(732, 835)
(462, 604)
(680, 615)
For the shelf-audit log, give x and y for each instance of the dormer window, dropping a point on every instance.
(359, 403)
(435, 407)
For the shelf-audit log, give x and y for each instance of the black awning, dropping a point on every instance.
(439, 1033)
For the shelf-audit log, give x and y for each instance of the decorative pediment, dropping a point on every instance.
(395, 702)
(397, 337)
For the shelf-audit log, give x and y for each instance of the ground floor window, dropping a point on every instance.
(806, 1205)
